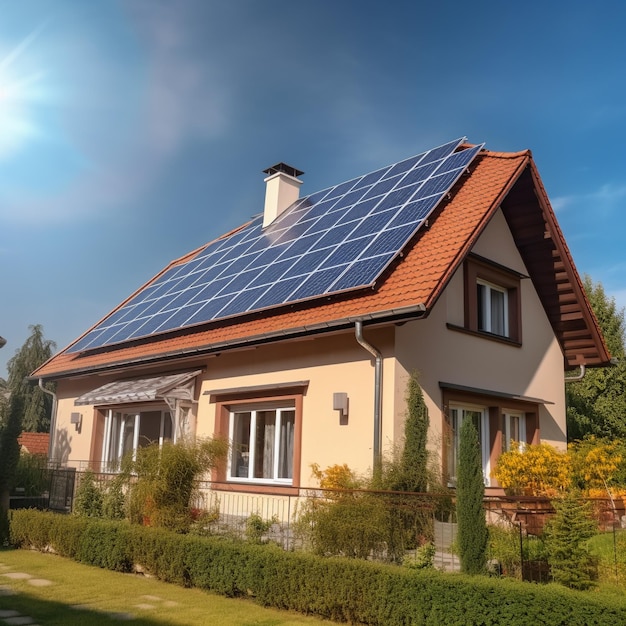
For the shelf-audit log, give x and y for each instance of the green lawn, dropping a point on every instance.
(60, 591)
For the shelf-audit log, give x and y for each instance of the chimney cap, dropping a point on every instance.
(284, 168)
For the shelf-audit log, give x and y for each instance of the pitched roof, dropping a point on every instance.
(34, 443)
(411, 287)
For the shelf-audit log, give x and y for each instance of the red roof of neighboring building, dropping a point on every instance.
(34, 443)
(419, 278)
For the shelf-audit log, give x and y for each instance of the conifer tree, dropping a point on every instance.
(571, 562)
(472, 536)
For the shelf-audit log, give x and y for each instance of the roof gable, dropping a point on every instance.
(410, 288)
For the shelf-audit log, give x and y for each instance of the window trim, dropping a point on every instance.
(495, 406)
(247, 398)
(478, 270)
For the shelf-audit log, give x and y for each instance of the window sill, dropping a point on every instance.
(479, 333)
(246, 487)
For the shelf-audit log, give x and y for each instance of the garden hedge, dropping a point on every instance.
(340, 589)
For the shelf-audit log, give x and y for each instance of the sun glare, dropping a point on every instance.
(18, 95)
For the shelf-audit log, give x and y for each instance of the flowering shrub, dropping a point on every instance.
(336, 477)
(596, 462)
(536, 470)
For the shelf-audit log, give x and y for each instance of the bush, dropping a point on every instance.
(88, 497)
(31, 474)
(537, 470)
(346, 590)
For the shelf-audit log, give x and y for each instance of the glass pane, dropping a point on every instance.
(128, 433)
(285, 451)
(168, 426)
(265, 433)
(497, 312)
(149, 428)
(480, 299)
(240, 453)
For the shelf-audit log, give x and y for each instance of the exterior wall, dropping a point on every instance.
(330, 364)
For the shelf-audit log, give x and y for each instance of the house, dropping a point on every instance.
(294, 335)
(34, 443)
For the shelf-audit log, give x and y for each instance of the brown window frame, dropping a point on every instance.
(495, 406)
(478, 269)
(228, 401)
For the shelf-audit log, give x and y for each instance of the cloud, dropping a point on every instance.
(606, 198)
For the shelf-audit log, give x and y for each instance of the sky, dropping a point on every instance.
(134, 131)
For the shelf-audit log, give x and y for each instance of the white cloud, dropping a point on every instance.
(604, 199)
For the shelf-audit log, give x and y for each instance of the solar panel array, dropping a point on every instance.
(335, 240)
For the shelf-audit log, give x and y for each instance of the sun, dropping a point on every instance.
(19, 92)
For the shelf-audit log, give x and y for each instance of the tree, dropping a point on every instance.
(472, 533)
(596, 405)
(36, 405)
(10, 430)
(566, 536)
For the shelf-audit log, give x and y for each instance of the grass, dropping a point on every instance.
(101, 594)
(611, 552)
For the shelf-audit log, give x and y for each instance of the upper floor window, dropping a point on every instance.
(493, 308)
(492, 299)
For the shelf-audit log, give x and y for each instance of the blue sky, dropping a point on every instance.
(134, 131)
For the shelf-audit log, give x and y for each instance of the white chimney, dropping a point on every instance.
(282, 189)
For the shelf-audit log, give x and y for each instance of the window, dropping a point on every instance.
(493, 308)
(492, 303)
(126, 431)
(262, 444)
(478, 415)
(264, 426)
(513, 429)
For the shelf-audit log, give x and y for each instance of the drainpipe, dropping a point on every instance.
(53, 419)
(579, 376)
(378, 396)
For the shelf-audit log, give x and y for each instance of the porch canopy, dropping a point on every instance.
(166, 387)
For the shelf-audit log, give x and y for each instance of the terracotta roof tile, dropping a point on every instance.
(419, 277)
(34, 443)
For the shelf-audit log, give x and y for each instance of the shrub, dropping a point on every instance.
(257, 527)
(346, 590)
(88, 496)
(31, 474)
(596, 462)
(538, 470)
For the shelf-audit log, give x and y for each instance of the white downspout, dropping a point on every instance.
(579, 376)
(53, 419)
(378, 396)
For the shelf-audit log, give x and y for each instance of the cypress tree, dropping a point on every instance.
(472, 536)
(414, 460)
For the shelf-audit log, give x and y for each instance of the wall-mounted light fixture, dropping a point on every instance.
(77, 420)
(340, 403)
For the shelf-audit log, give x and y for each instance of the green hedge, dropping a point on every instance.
(336, 588)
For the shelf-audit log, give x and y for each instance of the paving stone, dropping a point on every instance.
(17, 575)
(151, 598)
(145, 606)
(19, 621)
(6, 591)
(122, 617)
(39, 582)
(8, 613)
(170, 603)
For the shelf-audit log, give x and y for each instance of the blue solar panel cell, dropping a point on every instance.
(336, 239)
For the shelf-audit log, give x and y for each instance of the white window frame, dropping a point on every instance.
(485, 322)
(112, 458)
(462, 409)
(281, 411)
(508, 418)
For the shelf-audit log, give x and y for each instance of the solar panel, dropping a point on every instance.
(335, 240)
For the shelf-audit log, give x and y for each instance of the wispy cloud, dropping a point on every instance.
(604, 199)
